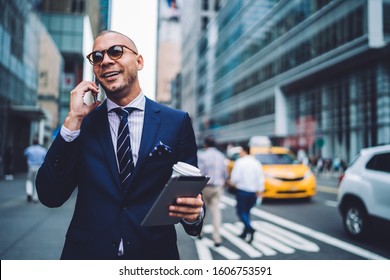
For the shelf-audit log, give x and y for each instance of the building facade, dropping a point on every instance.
(49, 86)
(43, 44)
(168, 48)
(98, 11)
(310, 74)
(22, 117)
(197, 56)
(73, 24)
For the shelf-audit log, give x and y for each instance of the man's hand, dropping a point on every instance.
(188, 208)
(77, 108)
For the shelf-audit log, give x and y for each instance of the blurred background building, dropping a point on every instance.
(169, 50)
(310, 74)
(43, 44)
(73, 24)
(180, 25)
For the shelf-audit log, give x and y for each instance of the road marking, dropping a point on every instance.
(263, 241)
(259, 245)
(229, 201)
(204, 245)
(310, 232)
(318, 235)
(331, 203)
(234, 239)
(327, 189)
(287, 237)
(203, 250)
(268, 240)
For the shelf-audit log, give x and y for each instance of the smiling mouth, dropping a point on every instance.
(110, 74)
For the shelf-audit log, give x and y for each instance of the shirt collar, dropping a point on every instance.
(138, 102)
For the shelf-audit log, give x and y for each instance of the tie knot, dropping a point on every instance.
(124, 112)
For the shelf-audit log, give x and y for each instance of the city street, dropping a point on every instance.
(285, 230)
(291, 229)
(133, 87)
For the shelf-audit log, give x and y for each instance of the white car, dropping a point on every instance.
(364, 192)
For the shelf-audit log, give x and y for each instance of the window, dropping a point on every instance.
(379, 162)
(205, 5)
(78, 6)
(205, 21)
(216, 5)
(269, 159)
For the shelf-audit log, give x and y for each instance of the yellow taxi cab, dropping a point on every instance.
(284, 176)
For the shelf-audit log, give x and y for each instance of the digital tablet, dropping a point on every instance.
(179, 186)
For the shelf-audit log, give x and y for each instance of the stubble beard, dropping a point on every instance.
(123, 90)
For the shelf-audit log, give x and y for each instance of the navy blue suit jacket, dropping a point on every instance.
(104, 212)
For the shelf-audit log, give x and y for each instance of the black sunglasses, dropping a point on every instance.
(115, 52)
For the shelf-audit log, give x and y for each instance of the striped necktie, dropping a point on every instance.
(123, 147)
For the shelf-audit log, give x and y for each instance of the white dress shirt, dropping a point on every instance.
(247, 174)
(136, 122)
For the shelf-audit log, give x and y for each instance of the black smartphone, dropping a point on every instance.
(95, 95)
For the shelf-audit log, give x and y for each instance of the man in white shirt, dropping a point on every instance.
(35, 155)
(247, 176)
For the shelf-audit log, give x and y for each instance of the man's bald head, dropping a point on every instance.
(121, 34)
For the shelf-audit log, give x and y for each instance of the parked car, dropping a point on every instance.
(364, 192)
(285, 177)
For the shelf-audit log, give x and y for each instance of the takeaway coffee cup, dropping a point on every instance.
(185, 169)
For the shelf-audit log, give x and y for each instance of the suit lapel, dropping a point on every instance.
(105, 140)
(151, 125)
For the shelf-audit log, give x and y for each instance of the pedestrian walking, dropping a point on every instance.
(212, 163)
(35, 155)
(247, 176)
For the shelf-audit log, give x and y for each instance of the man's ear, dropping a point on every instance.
(140, 62)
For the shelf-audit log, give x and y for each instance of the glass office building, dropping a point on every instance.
(311, 74)
(20, 30)
(73, 35)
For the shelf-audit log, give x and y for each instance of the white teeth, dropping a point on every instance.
(110, 74)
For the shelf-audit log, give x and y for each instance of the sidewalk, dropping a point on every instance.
(30, 231)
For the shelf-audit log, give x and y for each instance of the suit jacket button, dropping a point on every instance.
(114, 244)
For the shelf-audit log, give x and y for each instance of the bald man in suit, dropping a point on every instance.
(106, 223)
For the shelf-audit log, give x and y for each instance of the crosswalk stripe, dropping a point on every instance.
(259, 245)
(209, 244)
(270, 242)
(317, 235)
(267, 251)
(203, 250)
(286, 237)
(229, 201)
(227, 231)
